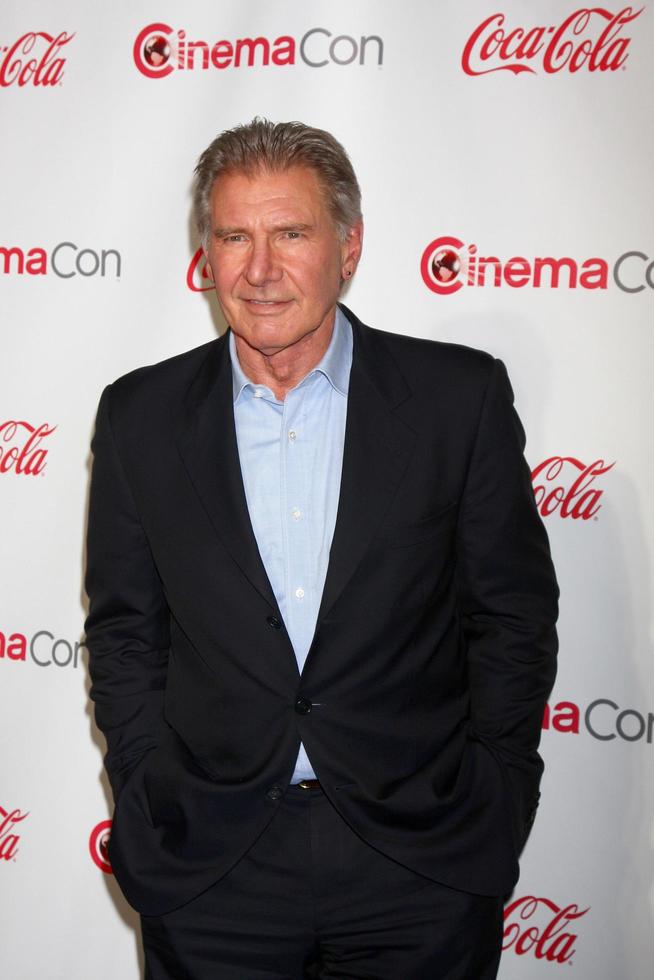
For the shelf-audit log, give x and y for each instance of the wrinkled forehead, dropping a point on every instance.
(299, 179)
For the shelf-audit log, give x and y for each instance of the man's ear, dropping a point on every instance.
(351, 250)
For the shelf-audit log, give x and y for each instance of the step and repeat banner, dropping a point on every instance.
(504, 149)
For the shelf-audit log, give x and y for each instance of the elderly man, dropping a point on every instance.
(322, 612)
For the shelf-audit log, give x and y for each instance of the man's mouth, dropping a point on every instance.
(267, 305)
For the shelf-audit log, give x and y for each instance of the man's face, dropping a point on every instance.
(275, 257)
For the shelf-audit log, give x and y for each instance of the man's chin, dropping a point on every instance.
(265, 341)
(270, 335)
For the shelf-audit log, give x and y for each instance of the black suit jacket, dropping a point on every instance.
(434, 650)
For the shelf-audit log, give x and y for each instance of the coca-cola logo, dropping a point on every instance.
(10, 821)
(565, 486)
(591, 38)
(34, 58)
(447, 264)
(603, 719)
(541, 928)
(99, 846)
(198, 274)
(21, 447)
(67, 260)
(159, 50)
(43, 648)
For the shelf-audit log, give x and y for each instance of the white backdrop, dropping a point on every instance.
(527, 146)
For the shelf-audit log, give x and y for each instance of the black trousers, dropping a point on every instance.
(312, 900)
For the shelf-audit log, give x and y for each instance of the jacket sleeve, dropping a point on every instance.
(507, 600)
(127, 629)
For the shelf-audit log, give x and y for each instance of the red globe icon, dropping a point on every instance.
(445, 265)
(156, 51)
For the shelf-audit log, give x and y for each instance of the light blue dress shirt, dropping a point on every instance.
(291, 455)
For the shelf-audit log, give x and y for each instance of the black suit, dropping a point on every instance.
(421, 699)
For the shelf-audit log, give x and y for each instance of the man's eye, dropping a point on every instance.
(293, 235)
(233, 238)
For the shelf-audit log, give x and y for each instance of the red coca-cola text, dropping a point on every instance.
(580, 499)
(8, 837)
(198, 278)
(590, 37)
(27, 456)
(547, 935)
(46, 67)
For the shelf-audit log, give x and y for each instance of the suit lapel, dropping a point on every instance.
(208, 447)
(378, 447)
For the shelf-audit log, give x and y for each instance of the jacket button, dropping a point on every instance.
(275, 792)
(273, 622)
(302, 706)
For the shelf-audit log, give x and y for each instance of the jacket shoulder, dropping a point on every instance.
(170, 372)
(162, 386)
(421, 351)
(426, 361)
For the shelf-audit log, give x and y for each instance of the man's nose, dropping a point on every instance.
(262, 266)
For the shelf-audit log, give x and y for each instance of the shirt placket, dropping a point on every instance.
(296, 522)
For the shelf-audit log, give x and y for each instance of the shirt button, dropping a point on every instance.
(299, 593)
(302, 706)
(292, 436)
(258, 393)
(273, 622)
(296, 513)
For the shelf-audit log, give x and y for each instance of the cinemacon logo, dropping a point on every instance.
(42, 649)
(99, 846)
(34, 58)
(603, 719)
(159, 50)
(590, 37)
(448, 264)
(66, 260)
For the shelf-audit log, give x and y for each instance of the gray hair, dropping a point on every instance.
(275, 147)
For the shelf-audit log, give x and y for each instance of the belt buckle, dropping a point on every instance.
(308, 784)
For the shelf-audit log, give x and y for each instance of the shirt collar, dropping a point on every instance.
(335, 364)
